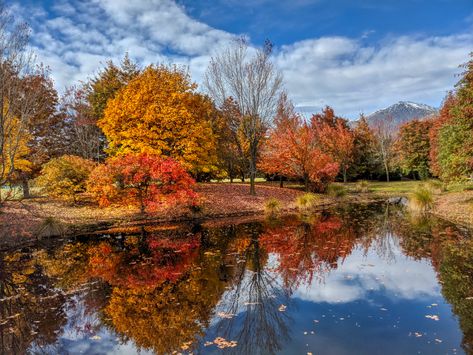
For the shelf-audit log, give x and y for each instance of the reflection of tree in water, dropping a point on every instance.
(162, 289)
(161, 298)
(309, 250)
(30, 307)
(251, 307)
(456, 274)
(450, 251)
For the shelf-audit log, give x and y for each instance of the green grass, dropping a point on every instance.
(337, 190)
(401, 187)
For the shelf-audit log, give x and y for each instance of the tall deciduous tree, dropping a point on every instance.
(365, 162)
(83, 106)
(335, 138)
(44, 131)
(20, 99)
(249, 77)
(231, 144)
(103, 86)
(385, 133)
(413, 147)
(442, 119)
(455, 137)
(294, 150)
(160, 112)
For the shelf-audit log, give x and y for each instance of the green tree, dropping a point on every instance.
(413, 147)
(365, 162)
(455, 136)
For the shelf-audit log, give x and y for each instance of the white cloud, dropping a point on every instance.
(346, 73)
(401, 278)
(352, 76)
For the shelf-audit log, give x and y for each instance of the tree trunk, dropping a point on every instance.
(252, 176)
(344, 171)
(387, 171)
(142, 202)
(26, 187)
(281, 184)
(231, 179)
(306, 182)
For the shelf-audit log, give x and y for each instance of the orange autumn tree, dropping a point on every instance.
(160, 112)
(293, 150)
(146, 180)
(335, 137)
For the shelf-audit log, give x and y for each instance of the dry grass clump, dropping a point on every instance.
(272, 207)
(421, 200)
(306, 202)
(362, 186)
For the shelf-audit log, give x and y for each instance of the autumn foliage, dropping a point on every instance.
(294, 149)
(145, 180)
(413, 148)
(452, 133)
(65, 177)
(159, 112)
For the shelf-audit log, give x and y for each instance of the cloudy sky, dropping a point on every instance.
(357, 56)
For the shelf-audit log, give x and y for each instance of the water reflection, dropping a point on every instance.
(322, 285)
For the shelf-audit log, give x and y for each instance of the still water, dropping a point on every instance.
(357, 280)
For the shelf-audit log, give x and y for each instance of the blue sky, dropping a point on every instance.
(356, 56)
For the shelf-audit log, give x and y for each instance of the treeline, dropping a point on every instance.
(155, 118)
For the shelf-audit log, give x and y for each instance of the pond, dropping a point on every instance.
(355, 280)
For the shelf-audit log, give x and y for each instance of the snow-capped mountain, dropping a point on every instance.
(401, 112)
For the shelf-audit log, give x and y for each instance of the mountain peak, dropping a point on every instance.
(401, 112)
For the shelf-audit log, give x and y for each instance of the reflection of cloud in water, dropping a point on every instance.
(361, 273)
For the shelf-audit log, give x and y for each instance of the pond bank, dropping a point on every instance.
(456, 207)
(24, 222)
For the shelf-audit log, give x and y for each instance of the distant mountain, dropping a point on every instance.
(401, 112)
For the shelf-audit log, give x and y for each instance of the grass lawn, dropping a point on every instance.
(392, 187)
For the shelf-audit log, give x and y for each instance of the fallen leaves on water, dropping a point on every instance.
(432, 316)
(186, 345)
(95, 337)
(223, 343)
(225, 315)
(282, 308)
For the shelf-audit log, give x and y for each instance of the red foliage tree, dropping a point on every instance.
(293, 150)
(335, 138)
(146, 180)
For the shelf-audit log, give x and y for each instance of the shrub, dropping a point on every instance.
(421, 200)
(306, 202)
(336, 190)
(146, 180)
(65, 177)
(272, 207)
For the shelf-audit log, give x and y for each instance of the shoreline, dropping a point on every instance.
(29, 222)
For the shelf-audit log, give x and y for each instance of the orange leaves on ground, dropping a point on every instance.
(144, 179)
